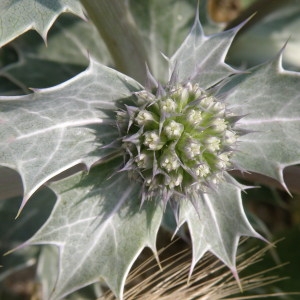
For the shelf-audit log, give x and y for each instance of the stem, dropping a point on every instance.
(118, 29)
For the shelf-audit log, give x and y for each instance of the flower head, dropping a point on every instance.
(179, 140)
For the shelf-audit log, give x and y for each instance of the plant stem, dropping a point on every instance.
(118, 29)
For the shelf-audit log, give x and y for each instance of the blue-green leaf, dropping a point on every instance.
(69, 43)
(99, 228)
(17, 17)
(217, 223)
(51, 130)
(200, 58)
(269, 98)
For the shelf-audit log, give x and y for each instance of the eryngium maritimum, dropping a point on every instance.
(178, 141)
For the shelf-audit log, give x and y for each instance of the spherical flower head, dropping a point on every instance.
(179, 141)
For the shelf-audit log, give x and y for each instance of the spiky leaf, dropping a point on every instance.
(269, 98)
(69, 43)
(217, 220)
(17, 17)
(217, 223)
(99, 229)
(274, 25)
(201, 58)
(164, 33)
(47, 132)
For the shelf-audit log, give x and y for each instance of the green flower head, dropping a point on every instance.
(177, 140)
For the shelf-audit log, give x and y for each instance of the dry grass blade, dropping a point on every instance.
(210, 280)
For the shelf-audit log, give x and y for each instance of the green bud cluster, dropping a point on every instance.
(178, 142)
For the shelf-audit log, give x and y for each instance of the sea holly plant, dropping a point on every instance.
(168, 141)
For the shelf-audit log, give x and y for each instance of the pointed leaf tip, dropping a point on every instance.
(201, 59)
(197, 26)
(218, 224)
(237, 278)
(271, 113)
(40, 142)
(39, 16)
(101, 224)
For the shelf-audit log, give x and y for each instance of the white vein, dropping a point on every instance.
(104, 225)
(271, 120)
(60, 126)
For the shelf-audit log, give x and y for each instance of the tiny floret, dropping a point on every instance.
(194, 117)
(192, 149)
(144, 117)
(213, 143)
(177, 142)
(223, 160)
(168, 105)
(219, 125)
(153, 140)
(207, 102)
(169, 161)
(202, 170)
(144, 160)
(218, 108)
(173, 130)
(174, 180)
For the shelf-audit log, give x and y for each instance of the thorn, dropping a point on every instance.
(151, 81)
(191, 272)
(197, 12)
(278, 57)
(234, 118)
(35, 90)
(174, 76)
(282, 182)
(44, 36)
(16, 248)
(155, 253)
(165, 56)
(260, 237)
(237, 278)
(286, 189)
(24, 201)
(160, 91)
(143, 198)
